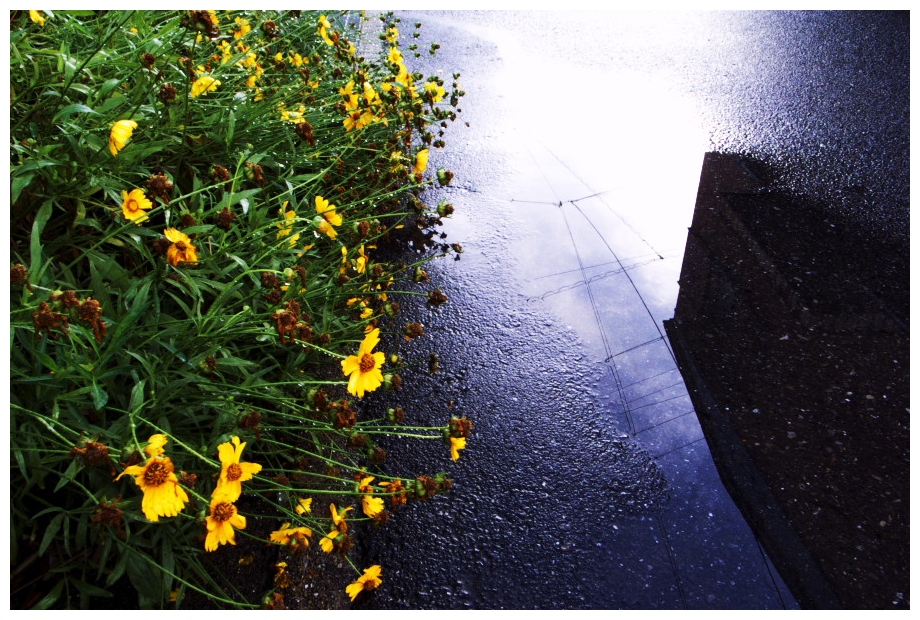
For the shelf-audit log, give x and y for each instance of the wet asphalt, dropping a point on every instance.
(587, 482)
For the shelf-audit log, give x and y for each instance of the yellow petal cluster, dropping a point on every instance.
(368, 581)
(119, 136)
(363, 369)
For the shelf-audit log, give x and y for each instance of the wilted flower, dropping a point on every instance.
(181, 249)
(163, 497)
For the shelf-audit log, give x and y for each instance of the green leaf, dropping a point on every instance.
(137, 396)
(74, 108)
(71, 471)
(52, 597)
(35, 243)
(51, 532)
(100, 397)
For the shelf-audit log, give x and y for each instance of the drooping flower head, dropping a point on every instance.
(368, 581)
(163, 497)
(371, 505)
(421, 162)
(304, 506)
(119, 136)
(181, 250)
(363, 369)
(457, 444)
(338, 518)
(134, 205)
(288, 535)
(232, 472)
(323, 26)
(37, 17)
(220, 522)
(204, 84)
(330, 217)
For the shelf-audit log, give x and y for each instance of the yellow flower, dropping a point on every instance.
(457, 444)
(370, 95)
(163, 497)
(304, 505)
(338, 519)
(155, 445)
(363, 369)
(204, 84)
(181, 250)
(350, 97)
(220, 523)
(134, 204)
(421, 162)
(330, 217)
(242, 28)
(368, 581)
(371, 505)
(361, 261)
(121, 133)
(232, 472)
(287, 534)
(435, 91)
(37, 17)
(288, 224)
(395, 56)
(392, 34)
(323, 25)
(327, 542)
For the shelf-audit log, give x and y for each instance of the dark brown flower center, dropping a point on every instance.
(234, 472)
(156, 474)
(223, 511)
(367, 363)
(180, 245)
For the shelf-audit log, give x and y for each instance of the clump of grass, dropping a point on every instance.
(198, 200)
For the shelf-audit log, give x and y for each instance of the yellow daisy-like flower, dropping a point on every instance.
(242, 28)
(232, 472)
(163, 497)
(204, 84)
(392, 34)
(363, 369)
(304, 505)
(361, 261)
(327, 542)
(421, 162)
(287, 226)
(457, 444)
(134, 204)
(338, 518)
(155, 445)
(368, 581)
(395, 56)
(349, 96)
(181, 250)
(288, 534)
(37, 17)
(371, 505)
(220, 523)
(370, 95)
(323, 25)
(119, 136)
(330, 217)
(435, 91)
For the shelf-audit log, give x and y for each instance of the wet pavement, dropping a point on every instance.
(587, 482)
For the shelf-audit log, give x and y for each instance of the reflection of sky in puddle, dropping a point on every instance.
(632, 141)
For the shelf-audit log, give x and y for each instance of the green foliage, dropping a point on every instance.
(221, 308)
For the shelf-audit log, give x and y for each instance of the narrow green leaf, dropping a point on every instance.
(51, 532)
(35, 243)
(74, 108)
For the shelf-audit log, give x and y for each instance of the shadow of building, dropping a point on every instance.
(791, 332)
